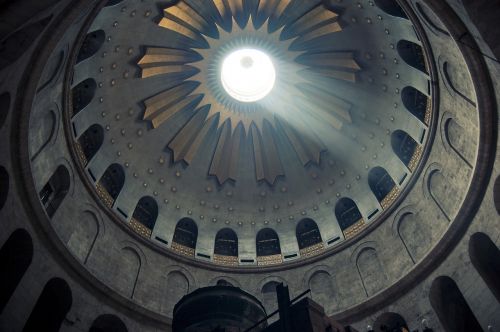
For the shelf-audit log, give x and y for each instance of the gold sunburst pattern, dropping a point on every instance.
(295, 46)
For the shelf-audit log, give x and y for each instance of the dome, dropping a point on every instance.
(155, 148)
(318, 153)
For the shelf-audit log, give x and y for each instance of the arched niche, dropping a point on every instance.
(20, 41)
(82, 94)
(4, 107)
(383, 186)
(111, 184)
(349, 217)
(451, 307)
(370, 270)
(84, 236)
(16, 255)
(391, 7)
(108, 323)
(51, 308)
(308, 237)
(268, 247)
(55, 190)
(406, 148)
(144, 216)
(390, 321)
(226, 247)
(90, 142)
(457, 138)
(417, 103)
(185, 237)
(442, 193)
(43, 132)
(322, 290)
(177, 286)
(415, 235)
(412, 54)
(269, 297)
(91, 45)
(126, 271)
(4, 186)
(485, 256)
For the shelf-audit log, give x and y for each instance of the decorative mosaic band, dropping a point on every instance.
(312, 250)
(354, 229)
(183, 250)
(269, 260)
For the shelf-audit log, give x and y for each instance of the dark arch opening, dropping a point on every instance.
(53, 193)
(451, 307)
(485, 256)
(380, 182)
(347, 213)
(146, 212)
(4, 107)
(16, 255)
(51, 308)
(14, 46)
(112, 3)
(412, 54)
(186, 233)
(92, 43)
(83, 93)
(112, 182)
(404, 146)
(307, 233)
(268, 243)
(91, 141)
(415, 102)
(496, 194)
(483, 13)
(226, 243)
(223, 282)
(4, 186)
(391, 7)
(108, 323)
(390, 321)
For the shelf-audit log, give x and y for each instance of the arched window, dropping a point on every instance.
(92, 43)
(451, 307)
(4, 186)
(412, 54)
(391, 7)
(51, 307)
(90, 142)
(144, 217)
(226, 243)
(485, 256)
(185, 236)
(111, 184)
(16, 255)
(53, 193)
(382, 186)
(83, 93)
(268, 247)
(308, 237)
(108, 323)
(349, 218)
(417, 103)
(404, 146)
(390, 321)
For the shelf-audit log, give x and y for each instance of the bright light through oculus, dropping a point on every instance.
(248, 75)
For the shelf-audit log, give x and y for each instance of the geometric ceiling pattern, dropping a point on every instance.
(297, 98)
